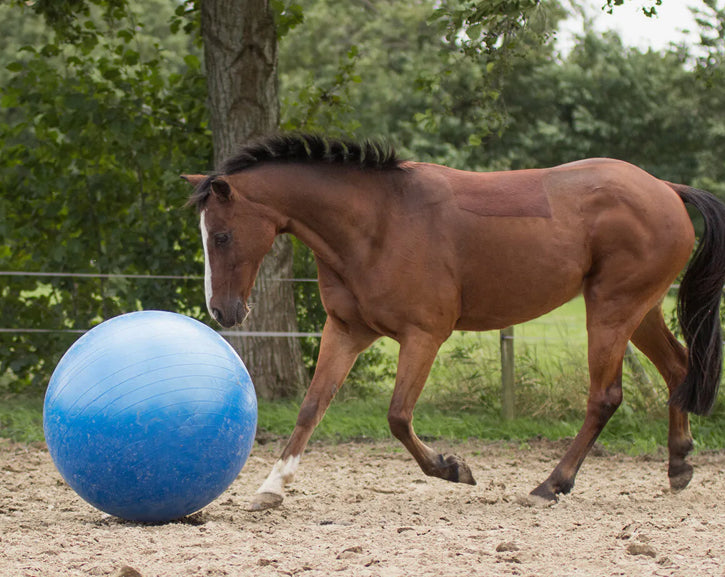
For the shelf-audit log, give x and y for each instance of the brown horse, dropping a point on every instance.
(414, 251)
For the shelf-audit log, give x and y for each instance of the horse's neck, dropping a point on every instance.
(333, 210)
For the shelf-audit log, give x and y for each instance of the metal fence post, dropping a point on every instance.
(507, 373)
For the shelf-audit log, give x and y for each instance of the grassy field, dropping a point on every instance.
(462, 397)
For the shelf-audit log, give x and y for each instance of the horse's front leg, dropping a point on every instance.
(339, 348)
(417, 353)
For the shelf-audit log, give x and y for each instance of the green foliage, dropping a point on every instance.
(436, 100)
(488, 27)
(93, 136)
(187, 18)
(72, 19)
(604, 100)
(710, 85)
(325, 106)
(288, 15)
(648, 11)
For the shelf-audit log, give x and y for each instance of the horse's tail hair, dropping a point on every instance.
(698, 306)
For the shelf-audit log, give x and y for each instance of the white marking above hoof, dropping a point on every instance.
(271, 493)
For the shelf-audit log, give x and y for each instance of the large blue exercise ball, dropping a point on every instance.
(150, 416)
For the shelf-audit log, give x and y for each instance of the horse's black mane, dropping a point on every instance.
(302, 148)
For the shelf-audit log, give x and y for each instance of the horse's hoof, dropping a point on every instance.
(262, 501)
(680, 476)
(542, 495)
(535, 501)
(457, 471)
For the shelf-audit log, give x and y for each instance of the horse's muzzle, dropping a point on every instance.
(233, 316)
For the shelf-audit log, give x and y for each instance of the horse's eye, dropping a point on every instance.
(222, 239)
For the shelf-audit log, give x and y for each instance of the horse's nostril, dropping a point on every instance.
(217, 314)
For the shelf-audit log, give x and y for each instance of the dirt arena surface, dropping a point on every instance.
(365, 509)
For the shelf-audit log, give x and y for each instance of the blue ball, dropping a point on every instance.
(150, 416)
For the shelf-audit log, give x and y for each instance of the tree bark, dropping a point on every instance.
(240, 52)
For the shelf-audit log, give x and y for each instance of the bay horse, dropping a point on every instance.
(414, 251)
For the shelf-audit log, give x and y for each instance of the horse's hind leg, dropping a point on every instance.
(417, 353)
(609, 326)
(656, 341)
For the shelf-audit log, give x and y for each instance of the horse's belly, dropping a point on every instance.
(489, 316)
(496, 296)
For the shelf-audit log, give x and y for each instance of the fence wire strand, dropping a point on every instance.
(243, 334)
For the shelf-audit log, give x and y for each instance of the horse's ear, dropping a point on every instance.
(193, 179)
(221, 188)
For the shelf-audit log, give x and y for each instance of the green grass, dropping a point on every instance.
(357, 419)
(365, 419)
(21, 418)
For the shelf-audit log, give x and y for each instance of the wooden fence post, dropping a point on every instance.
(507, 373)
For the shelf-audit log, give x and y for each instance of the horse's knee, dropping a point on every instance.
(613, 398)
(604, 404)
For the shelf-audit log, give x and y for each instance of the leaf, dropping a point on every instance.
(287, 16)
(131, 57)
(9, 99)
(192, 61)
(125, 35)
(474, 32)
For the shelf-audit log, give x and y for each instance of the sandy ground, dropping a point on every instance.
(366, 509)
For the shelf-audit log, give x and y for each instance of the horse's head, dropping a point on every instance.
(236, 234)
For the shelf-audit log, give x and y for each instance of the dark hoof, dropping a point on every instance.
(262, 501)
(454, 469)
(680, 476)
(535, 501)
(543, 494)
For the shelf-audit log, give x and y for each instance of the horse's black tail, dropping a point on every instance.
(698, 306)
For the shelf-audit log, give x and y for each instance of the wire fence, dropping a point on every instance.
(129, 276)
(80, 275)
(106, 276)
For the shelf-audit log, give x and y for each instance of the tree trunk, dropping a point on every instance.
(240, 52)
